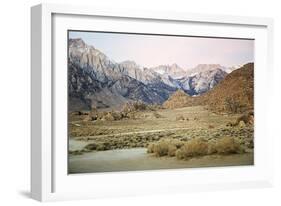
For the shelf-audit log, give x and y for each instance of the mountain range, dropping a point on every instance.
(94, 80)
(234, 94)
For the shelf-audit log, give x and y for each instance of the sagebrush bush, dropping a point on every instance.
(134, 106)
(161, 148)
(172, 150)
(157, 115)
(164, 147)
(228, 145)
(180, 118)
(179, 154)
(91, 146)
(150, 148)
(177, 143)
(194, 147)
(234, 106)
(212, 148)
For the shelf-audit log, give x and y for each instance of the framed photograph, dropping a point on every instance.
(137, 102)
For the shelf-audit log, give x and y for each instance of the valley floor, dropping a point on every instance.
(125, 141)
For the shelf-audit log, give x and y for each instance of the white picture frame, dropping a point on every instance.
(49, 178)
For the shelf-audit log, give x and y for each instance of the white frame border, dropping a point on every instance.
(42, 84)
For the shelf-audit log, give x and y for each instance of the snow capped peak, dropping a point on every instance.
(173, 70)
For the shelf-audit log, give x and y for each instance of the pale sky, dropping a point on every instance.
(154, 50)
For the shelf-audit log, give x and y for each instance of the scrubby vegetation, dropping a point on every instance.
(234, 106)
(134, 107)
(165, 147)
(243, 120)
(228, 145)
(130, 110)
(194, 147)
(181, 118)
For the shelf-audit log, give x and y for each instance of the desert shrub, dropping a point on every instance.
(91, 146)
(172, 150)
(194, 147)
(229, 124)
(241, 124)
(247, 118)
(139, 106)
(177, 143)
(93, 113)
(75, 152)
(157, 115)
(234, 106)
(134, 106)
(161, 148)
(180, 118)
(251, 144)
(108, 117)
(99, 146)
(164, 147)
(102, 146)
(117, 115)
(212, 148)
(150, 148)
(179, 154)
(154, 107)
(100, 115)
(131, 115)
(228, 145)
(243, 120)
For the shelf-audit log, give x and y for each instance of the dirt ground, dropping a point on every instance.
(137, 159)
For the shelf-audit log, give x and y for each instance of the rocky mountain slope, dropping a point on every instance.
(94, 80)
(173, 70)
(202, 81)
(234, 94)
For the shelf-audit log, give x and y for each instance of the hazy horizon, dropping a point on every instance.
(155, 50)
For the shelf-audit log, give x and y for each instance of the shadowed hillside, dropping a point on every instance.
(235, 93)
